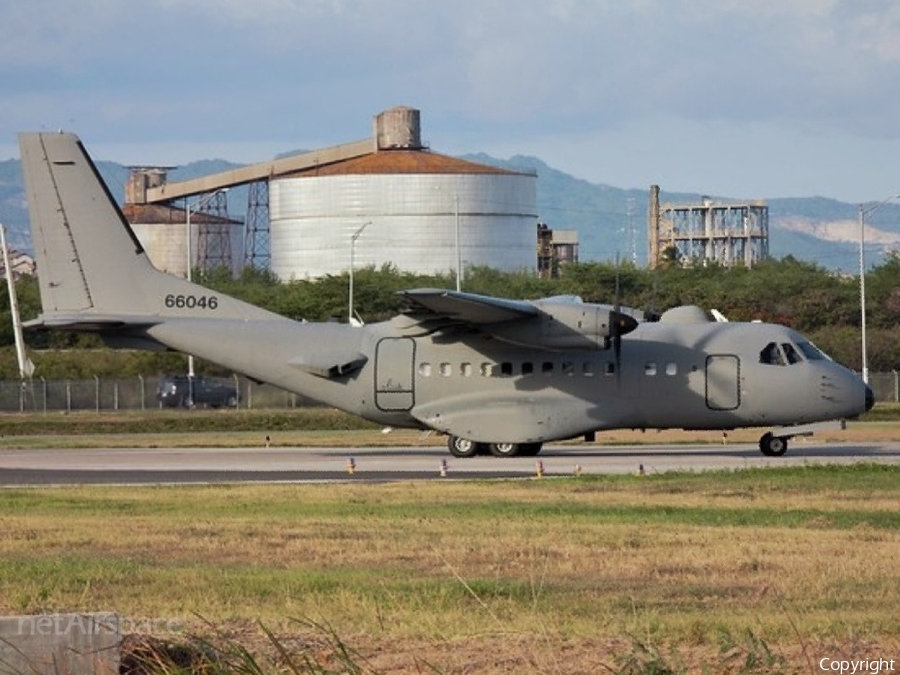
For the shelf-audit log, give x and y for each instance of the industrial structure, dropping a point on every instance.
(383, 200)
(555, 249)
(726, 233)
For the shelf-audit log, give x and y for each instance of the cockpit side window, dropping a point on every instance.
(811, 352)
(792, 355)
(771, 355)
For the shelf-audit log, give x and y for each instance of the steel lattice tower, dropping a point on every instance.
(257, 244)
(214, 234)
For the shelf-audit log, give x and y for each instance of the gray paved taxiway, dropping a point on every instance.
(233, 465)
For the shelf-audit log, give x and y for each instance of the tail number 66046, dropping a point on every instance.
(191, 301)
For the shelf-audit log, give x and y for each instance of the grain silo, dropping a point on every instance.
(406, 206)
(216, 240)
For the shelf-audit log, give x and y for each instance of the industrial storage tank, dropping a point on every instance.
(162, 230)
(401, 205)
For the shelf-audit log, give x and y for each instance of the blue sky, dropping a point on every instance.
(739, 98)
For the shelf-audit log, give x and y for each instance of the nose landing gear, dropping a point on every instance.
(775, 443)
(772, 445)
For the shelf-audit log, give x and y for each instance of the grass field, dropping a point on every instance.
(753, 571)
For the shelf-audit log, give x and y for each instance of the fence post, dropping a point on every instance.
(141, 380)
(44, 393)
(237, 390)
(96, 393)
(896, 387)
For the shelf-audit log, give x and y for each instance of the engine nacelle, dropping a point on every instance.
(568, 324)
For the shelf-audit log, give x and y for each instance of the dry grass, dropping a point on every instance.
(689, 562)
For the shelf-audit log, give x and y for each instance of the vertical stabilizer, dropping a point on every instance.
(87, 256)
(90, 264)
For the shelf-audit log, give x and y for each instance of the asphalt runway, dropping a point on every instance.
(169, 466)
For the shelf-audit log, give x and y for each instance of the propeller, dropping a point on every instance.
(615, 326)
(620, 323)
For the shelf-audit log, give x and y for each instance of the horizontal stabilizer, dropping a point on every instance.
(86, 322)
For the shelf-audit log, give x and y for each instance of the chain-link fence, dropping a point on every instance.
(137, 393)
(886, 386)
(140, 393)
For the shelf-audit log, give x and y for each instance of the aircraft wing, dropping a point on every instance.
(468, 308)
(549, 323)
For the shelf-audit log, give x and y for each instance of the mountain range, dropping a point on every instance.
(611, 222)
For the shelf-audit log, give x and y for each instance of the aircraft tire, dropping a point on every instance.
(773, 446)
(530, 449)
(505, 449)
(462, 447)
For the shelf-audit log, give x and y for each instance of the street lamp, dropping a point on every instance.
(353, 238)
(456, 237)
(188, 209)
(458, 253)
(863, 212)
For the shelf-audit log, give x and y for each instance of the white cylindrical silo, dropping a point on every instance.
(413, 219)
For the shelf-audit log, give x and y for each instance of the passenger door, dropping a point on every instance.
(723, 390)
(394, 367)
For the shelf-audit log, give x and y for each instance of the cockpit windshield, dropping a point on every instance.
(788, 353)
(772, 355)
(812, 352)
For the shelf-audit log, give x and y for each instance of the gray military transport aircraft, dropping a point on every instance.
(495, 375)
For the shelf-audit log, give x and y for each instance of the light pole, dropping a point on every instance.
(458, 253)
(353, 238)
(203, 201)
(863, 212)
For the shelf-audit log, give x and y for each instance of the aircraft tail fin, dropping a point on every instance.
(92, 269)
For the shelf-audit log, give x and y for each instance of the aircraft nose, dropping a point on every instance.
(870, 398)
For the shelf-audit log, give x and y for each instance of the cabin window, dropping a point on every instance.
(465, 369)
(486, 369)
(527, 368)
(506, 368)
(671, 368)
(587, 369)
(568, 368)
(610, 368)
(547, 367)
(425, 369)
(650, 369)
(446, 370)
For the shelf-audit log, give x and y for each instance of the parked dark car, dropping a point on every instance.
(179, 391)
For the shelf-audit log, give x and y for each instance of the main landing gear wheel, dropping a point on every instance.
(505, 449)
(463, 447)
(530, 449)
(773, 446)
